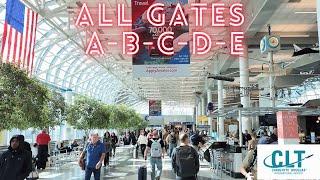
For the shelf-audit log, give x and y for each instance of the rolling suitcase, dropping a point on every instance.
(142, 173)
(135, 153)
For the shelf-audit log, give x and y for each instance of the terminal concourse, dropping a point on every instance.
(165, 89)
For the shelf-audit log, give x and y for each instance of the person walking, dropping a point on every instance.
(15, 163)
(142, 141)
(43, 140)
(185, 160)
(133, 138)
(164, 137)
(107, 143)
(172, 141)
(156, 147)
(114, 142)
(95, 153)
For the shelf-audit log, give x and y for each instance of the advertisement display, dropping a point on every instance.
(288, 162)
(287, 123)
(151, 60)
(154, 108)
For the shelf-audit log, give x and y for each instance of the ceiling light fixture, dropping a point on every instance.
(305, 12)
(294, 35)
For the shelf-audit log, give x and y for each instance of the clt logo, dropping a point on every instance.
(282, 160)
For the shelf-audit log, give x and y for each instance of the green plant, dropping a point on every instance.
(23, 100)
(27, 102)
(87, 114)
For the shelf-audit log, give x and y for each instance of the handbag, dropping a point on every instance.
(33, 175)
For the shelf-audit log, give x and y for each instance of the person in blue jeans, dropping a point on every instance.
(157, 150)
(95, 153)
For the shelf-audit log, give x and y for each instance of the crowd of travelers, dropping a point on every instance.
(182, 146)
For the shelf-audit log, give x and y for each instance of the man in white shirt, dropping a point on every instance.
(142, 141)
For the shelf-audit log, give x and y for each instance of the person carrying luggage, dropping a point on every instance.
(185, 160)
(156, 147)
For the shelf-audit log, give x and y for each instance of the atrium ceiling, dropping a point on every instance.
(61, 61)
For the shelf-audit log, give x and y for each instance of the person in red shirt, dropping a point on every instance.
(42, 140)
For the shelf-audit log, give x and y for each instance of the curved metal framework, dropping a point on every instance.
(60, 62)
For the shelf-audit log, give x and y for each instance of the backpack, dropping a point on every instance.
(156, 148)
(173, 140)
(186, 161)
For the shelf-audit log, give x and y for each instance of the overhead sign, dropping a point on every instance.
(151, 59)
(157, 33)
(155, 108)
(288, 161)
(203, 126)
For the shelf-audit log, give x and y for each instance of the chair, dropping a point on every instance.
(217, 161)
(227, 164)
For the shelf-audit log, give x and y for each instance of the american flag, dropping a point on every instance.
(19, 35)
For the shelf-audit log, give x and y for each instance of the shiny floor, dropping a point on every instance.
(123, 166)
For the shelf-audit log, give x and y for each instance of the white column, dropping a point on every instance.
(271, 80)
(3, 137)
(203, 106)
(199, 111)
(220, 107)
(209, 99)
(195, 118)
(244, 84)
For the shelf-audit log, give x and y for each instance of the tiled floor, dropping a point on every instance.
(123, 166)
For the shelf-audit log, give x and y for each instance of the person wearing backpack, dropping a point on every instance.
(172, 141)
(156, 148)
(185, 160)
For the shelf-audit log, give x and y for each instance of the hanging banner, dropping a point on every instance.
(163, 50)
(154, 108)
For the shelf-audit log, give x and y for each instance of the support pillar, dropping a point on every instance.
(195, 118)
(271, 80)
(220, 109)
(199, 111)
(244, 86)
(203, 106)
(3, 137)
(209, 98)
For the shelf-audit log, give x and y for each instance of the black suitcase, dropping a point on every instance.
(142, 173)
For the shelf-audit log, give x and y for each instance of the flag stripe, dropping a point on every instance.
(29, 38)
(23, 48)
(15, 47)
(9, 45)
(26, 34)
(4, 39)
(20, 52)
(33, 41)
(17, 43)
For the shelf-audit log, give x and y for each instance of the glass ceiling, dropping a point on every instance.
(60, 63)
